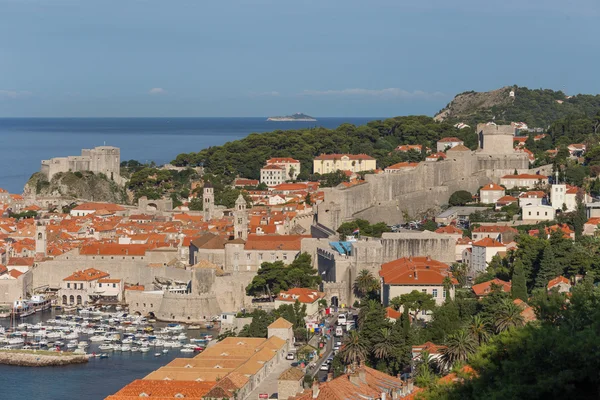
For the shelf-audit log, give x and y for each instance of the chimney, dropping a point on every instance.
(315, 389)
(410, 385)
(383, 396)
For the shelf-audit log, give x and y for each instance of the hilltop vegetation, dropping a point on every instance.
(536, 107)
(378, 139)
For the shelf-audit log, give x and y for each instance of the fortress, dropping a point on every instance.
(102, 159)
(393, 198)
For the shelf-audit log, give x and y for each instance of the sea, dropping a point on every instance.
(27, 141)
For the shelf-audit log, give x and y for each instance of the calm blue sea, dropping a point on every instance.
(27, 141)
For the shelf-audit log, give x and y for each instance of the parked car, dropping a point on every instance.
(290, 356)
(324, 367)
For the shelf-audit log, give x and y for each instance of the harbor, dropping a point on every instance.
(118, 348)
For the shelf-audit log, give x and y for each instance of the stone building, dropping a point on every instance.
(327, 163)
(278, 170)
(102, 159)
(240, 219)
(290, 383)
(208, 197)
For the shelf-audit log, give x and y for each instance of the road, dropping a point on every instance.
(330, 323)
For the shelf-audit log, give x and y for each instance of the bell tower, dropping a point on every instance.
(208, 196)
(240, 219)
(40, 239)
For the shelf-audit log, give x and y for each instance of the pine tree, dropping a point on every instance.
(519, 282)
(549, 268)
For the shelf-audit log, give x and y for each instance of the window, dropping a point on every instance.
(68, 285)
(247, 256)
(285, 256)
(424, 312)
(114, 285)
(424, 290)
(546, 213)
(444, 293)
(260, 256)
(529, 212)
(538, 213)
(99, 285)
(434, 293)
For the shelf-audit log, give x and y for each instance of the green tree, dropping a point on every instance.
(384, 346)
(355, 350)
(459, 346)
(196, 204)
(430, 225)
(519, 282)
(507, 316)
(479, 329)
(417, 301)
(365, 283)
(549, 268)
(460, 198)
(258, 327)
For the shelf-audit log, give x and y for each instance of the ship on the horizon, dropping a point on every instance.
(294, 117)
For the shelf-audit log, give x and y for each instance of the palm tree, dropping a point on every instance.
(396, 303)
(507, 316)
(384, 347)
(365, 283)
(459, 346)
(479, 329)
(355, 349)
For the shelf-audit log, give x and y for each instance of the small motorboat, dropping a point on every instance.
(157, 354)
(144, 349)
(187, 350)
(103, 355)
(194, 327)
(165, 351)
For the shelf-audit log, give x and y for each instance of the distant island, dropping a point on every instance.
(294, 117)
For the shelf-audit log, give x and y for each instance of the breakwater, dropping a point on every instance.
(40, 358)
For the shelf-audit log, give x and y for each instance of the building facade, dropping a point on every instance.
(328, 163)
(102, 159)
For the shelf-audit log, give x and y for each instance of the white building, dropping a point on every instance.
(523, 180)
(490, 193)
(327, 163)
(90, 285)
(422, 274)
(290, 167)
(482, 252)
(566, 195)
(304, 296)
(272, 175)
(448, 143)
(401, 166)
(532, 198)
(538, 213)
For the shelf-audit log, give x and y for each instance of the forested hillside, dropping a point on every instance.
(378, 139)
(536, 107)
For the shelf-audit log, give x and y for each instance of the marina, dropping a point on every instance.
(119, 348)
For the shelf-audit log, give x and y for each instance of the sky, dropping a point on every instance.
(226, 58)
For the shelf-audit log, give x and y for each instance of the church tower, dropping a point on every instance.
(40, 239)
(240, 219)
(209, 201)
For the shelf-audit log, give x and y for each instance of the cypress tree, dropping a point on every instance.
(519, 282)
(549, 268)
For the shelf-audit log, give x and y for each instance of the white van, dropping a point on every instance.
(341, 320)
(339, 331)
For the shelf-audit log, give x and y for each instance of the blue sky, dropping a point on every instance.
(265, 57)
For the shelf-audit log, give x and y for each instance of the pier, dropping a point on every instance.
(39, 358)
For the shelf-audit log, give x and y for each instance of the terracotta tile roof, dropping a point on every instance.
(303, 295)
(464, 240)
(415, 271)
(20, 262)
(528, 313)
(430, 347)
(391, 313)
(488, 242)
(408, 147)
(593, 221)
(90, 274)
(450, 139)
(15, 273)
(105, 280)
(98, 206)
(482, 289)
(525, 176)
(339, 157)
(274, 242)
(437, 155)
(291, 186)
(135, 287)
(245, 182)
(491, 187)
(449, 229)
(460, 147)
(210, 241)
(163, 389)
(402, 165)
(113, 249)
(494, 229)
(557, 281)
(280, 323)
(506, 199)
(282, 160)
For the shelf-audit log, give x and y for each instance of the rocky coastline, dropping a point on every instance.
(40, 358)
